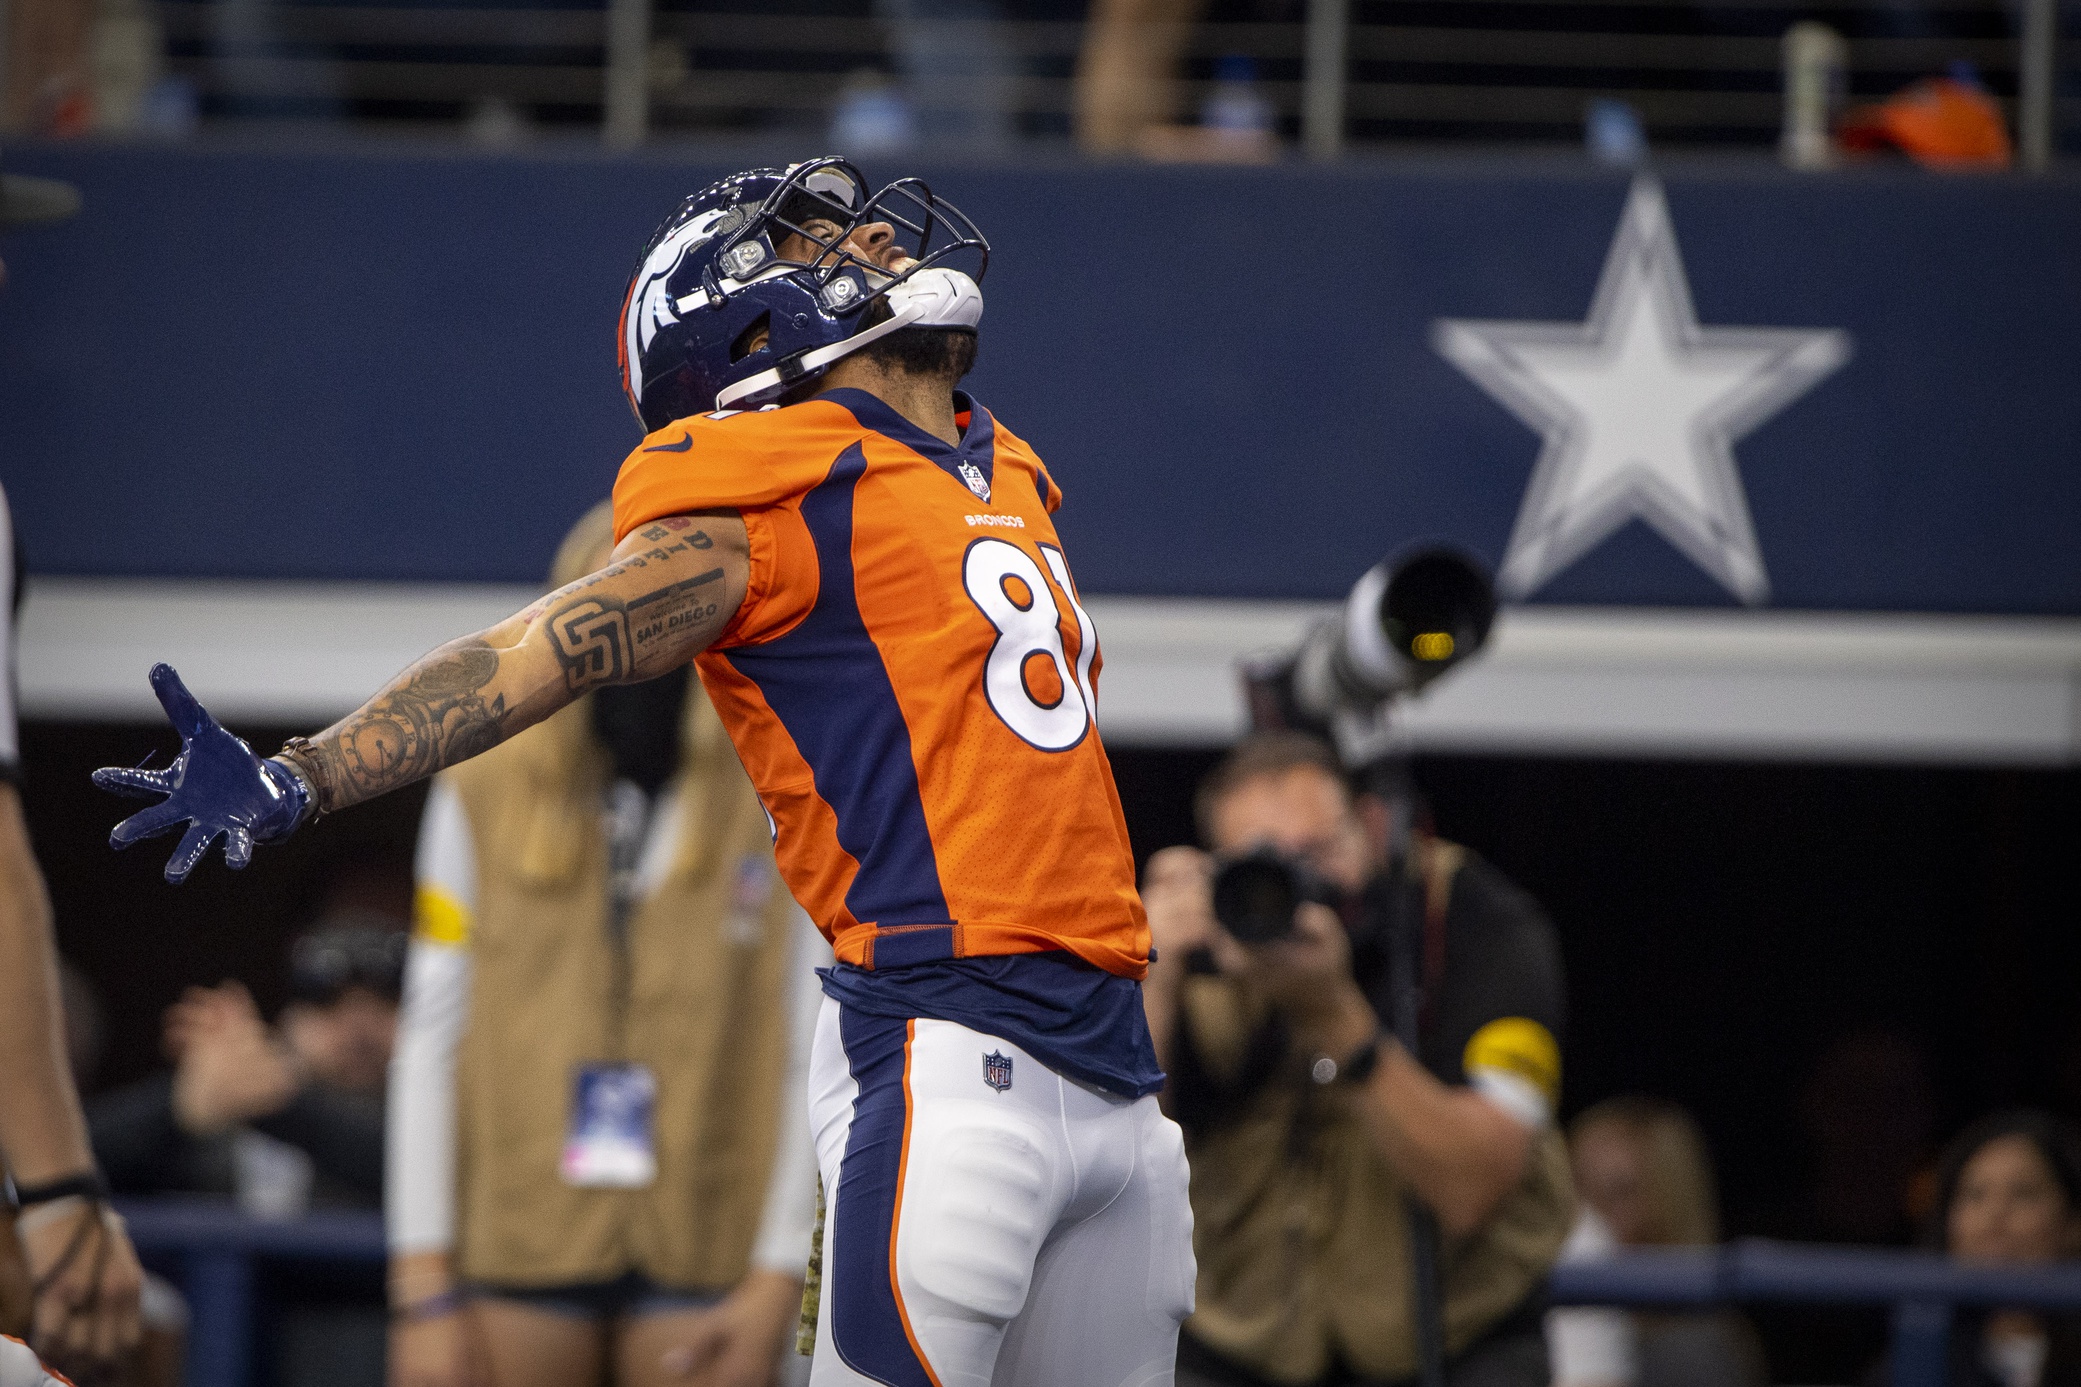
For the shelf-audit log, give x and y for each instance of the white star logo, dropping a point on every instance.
(1640, 408)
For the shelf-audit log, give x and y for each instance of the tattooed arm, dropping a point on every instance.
(668, 592)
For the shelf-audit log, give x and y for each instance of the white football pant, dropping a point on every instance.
(989, 1223)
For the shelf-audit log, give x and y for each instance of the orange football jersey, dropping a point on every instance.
(910, 680)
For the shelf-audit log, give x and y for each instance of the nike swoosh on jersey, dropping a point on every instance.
(681, 446)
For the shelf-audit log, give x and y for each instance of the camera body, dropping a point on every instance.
(1255, 895)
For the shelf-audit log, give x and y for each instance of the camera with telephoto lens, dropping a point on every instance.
(1256, 895)
(1407, 621)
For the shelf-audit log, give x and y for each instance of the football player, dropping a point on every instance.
(868, 579)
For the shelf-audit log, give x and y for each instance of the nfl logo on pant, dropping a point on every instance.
(997, 1071)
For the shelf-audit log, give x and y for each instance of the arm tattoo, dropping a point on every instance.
(671, 525)
(601, 640)
(438, 713)
(435, 717)
(697, 540)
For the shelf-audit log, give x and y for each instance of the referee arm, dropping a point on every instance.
(78, 1256)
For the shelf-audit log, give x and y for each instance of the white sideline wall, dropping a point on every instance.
(1602, 681)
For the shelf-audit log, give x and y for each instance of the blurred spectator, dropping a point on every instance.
(2009, 1194)
(959, 75)
(601, 1163)
(872, 116)
(80, 65)
(278, 1117)
(1645, 1180)
(1948, 122)
(1237, 124)
(1127, 96)
(1310, 1130)
(1614, 133)
(1127, 71)
(129, 62)
(56, 1231)
(47, 46)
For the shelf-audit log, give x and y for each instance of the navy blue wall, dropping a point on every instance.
(401, 365)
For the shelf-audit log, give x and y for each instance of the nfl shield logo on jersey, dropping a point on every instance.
(977, 482)
(997, 1071)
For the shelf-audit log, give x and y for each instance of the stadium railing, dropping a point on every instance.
(1698, 71)
(219, 1254)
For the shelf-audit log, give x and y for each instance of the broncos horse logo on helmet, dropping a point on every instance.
(713, 275)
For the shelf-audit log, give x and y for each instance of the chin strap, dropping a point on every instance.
(931, 298)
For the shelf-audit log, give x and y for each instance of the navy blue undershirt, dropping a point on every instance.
(1077, 1019)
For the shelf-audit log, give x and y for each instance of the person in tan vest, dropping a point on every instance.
(600, 1167)
(1309, 1127)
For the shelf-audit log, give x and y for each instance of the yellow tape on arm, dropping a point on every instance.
(1517, 1046)
(439, 918)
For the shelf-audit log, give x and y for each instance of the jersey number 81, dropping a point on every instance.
(1027, 677)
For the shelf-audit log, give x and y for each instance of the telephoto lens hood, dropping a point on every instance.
(1255, 895)
(1408, 619)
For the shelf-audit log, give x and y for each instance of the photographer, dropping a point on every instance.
(1309, 1127)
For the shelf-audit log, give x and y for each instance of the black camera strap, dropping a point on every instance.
(1410, 948)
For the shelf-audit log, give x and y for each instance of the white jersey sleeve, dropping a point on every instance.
(420, 1157)
(789, 1222)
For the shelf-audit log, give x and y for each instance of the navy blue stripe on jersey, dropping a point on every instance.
(859, 1285)
(901, 947)
(826, 682)
(978, 443)
(1078, 1020)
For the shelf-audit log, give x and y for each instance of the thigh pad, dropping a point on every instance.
(980, 1199)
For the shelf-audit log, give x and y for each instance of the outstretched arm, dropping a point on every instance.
(669, 591)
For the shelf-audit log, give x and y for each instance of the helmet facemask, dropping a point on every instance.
(930, 231)
(713, 275)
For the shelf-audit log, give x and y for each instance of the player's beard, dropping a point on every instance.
(943, 352)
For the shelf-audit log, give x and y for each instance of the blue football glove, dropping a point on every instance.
(216, 786)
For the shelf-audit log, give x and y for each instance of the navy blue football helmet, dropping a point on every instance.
(713, 275)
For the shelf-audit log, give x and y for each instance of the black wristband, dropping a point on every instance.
(297, 755)
(88, 1184)
(1364, 1060)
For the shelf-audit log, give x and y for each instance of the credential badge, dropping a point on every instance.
(980, 485)
(997, 1071)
